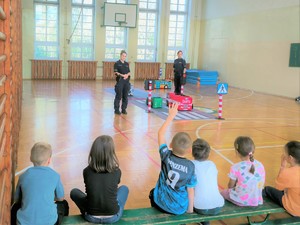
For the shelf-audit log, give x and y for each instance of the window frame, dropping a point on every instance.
(47, 43)
(156, 33)
(82, 44)
(186, 33)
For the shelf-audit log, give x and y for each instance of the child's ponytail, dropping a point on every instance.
(252, 168)
(245, 147)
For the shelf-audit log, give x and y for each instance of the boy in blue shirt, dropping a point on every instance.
(174, 190)
(38, 188)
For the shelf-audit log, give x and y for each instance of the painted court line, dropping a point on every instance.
(247, 96)
(256, 147)
(142, 150)
(228, 121)
(58, 153)
(189, 115)
(220, 154)
(177, 117)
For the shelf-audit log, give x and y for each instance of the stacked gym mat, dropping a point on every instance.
(206, 77)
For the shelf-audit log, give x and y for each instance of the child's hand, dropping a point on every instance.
(189, 211)
(283, 161)
(173, 109)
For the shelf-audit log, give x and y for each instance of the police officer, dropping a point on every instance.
(179, 69)
(122, 73)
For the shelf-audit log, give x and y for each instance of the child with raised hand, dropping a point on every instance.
(207, 200)
(287, 191)
(103, 201)
(37, 190)
(174, 190)
(246, 178)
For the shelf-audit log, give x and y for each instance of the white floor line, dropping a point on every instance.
(256, 147)
(230, 121)
(220, 154)
(53, 155)
(22, 171)
(247, 96)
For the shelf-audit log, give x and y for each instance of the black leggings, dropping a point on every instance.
(274, 194)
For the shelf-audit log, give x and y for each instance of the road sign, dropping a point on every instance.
(222, 89)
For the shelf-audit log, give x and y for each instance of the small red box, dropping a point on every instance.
(186, 102)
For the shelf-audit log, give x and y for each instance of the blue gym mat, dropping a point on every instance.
(139, 99)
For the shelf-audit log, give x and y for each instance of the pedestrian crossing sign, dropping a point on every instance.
(222, 89)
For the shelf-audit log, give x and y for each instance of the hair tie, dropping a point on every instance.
(250, 153)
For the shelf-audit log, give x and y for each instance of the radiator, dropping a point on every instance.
(146, 70)
(108, 70)
(46, 69)
(82, 70)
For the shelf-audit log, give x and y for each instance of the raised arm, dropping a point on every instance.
(162, 130)
(283, 163)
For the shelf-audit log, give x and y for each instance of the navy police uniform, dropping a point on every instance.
(179, 65)
(122, 86)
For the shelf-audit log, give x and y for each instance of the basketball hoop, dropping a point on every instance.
(122, 23)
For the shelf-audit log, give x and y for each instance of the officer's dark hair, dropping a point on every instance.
(122, 52)
(179, 52)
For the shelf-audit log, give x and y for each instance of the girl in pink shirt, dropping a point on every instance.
(246, 178)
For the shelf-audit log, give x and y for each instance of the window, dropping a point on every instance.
(82, 37)
(115, 38)
(177, 39)
(46, 44)
(147, 30)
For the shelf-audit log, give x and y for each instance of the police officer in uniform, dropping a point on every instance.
(179, 69)
(122, 87)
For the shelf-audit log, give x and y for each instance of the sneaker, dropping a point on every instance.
(124, 112)
(117, 112)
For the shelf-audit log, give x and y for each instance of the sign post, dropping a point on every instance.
(149, 97)
(222, 89)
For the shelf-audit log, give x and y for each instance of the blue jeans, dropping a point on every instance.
(79, 198)
(212, 212)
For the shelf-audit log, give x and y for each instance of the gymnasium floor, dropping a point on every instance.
(71, 114)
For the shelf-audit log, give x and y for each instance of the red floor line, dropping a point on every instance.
(143, 151)
(151, 159)
(223, 128)
(222, 222)
(271, 134)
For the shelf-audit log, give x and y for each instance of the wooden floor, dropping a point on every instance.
(71, 114)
